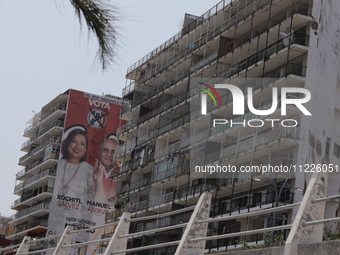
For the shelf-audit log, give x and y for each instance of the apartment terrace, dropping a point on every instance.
(38, 151)
(35, 181)
(37, 210)
(45, 162)
(188, 48)
(52, 129)
(247, 64)
(298, 8)
(46, 116)
(35, 227)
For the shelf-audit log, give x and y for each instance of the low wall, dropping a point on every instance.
(261, 251)
(324, 248)
(329, 247)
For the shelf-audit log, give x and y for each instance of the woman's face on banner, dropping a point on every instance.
(77, 147)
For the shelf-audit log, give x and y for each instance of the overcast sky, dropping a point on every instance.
(43, 53)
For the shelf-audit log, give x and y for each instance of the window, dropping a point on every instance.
(336, 150)
(328, 146)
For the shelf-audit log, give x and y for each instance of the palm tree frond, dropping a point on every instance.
(100, 17)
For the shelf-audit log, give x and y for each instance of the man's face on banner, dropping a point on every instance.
(107, 154)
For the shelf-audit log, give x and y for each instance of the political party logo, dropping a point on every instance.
(97, 118)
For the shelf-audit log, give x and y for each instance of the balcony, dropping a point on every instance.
(164, 106)
(283, 71)
(34, 122)
(33, 211)
(147, 137)
(33, 166)
(167, 150)
(126, 127)
(46, 114)
(148, 158)
(57, 123)
(264, 54)
(215, 131)
(155, 202)
(140, 184)
(154, 91)
(32, 225)
(204, 62)
(53, 140)
(146, 182)
(297, 8)
(174, 124)
(241, 15)
(192, 191)
(125, 147)
(170, 173)
(49, 172)
(261, 140)
(289, 70)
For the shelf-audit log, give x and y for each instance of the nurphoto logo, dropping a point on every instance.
(239, 102)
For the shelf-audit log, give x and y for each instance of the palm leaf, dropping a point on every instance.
(100, 17)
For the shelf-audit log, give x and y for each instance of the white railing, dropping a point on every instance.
(308, 219)
(263, 139)
(41, 206)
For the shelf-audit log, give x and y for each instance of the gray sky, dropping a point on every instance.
(43, 53)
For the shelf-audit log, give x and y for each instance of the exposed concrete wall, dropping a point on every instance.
(263, 251)
(330, 247)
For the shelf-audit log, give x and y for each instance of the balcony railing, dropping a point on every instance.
(204, 62)
(147, 137)
(34, 122)
(32, 209)
(266, 138)
(61, 107)
(154, 91)
(192, 191)
(170, 173)
(50, 172)
(257, 31)
(30, 225)
(164, 106)
(149, 157)
(39, 161)
(222, 128)
(156, 201)
(167, 150)
(126, 127)
(57, 123)
(41, 146)
(143, 183)
(174, 124)
(300, 8)
(258, 83)
(242, 13)
(276, 74)
(125, 147)
(261, 55)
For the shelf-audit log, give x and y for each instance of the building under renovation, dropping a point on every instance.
(170, 141)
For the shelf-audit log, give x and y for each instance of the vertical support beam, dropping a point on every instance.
(65, 239)
(116, 243)
(24, 246)
(308, 211)
(194, 230)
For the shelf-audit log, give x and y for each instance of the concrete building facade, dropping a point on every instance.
(35, 182)
(261, 44)
(44, 208)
